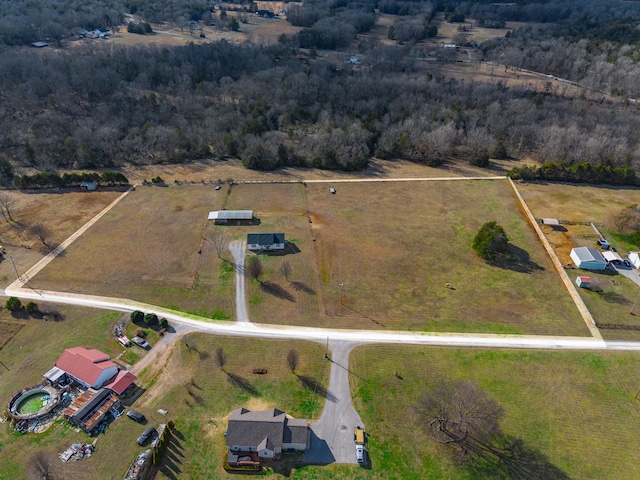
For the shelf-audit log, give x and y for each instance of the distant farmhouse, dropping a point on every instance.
(261, 242)
(588, 258)
(252, 436)
(231, 217)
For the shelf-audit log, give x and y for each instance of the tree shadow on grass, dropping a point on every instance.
(517, 260)
(173, 457)
(303, 287)
(517, 460)
(277, 291)
(313, 384)
(243, 383)
(614, 297)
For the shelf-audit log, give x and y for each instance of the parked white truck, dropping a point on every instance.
(358, 435)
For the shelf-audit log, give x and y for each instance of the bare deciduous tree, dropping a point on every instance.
(254, 268)
(40, 467)
(292, 360)
(460, 414)
(221, 358)
(219, 241)
(6, 206)
(285, 269)
(41, 232)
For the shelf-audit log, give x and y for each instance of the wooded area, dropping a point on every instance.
(101, 105)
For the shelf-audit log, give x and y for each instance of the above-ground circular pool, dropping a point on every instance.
(33, 402)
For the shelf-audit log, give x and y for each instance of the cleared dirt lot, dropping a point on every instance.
(394, 246)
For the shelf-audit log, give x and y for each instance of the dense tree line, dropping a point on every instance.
(25, 21)
(104, 106)
(577, 173)
(53, 180)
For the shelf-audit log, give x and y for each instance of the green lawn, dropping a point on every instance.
(577, 409)
(198, 395)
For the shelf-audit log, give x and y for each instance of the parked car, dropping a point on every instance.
(141, 342)
(136, 416)
(124, 341)
(627, 263)
(145, 435)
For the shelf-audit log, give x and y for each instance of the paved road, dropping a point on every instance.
(332, 435)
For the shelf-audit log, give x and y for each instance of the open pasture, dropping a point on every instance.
(146, 248)
(393, 246)
(61, 213)
(576, 409)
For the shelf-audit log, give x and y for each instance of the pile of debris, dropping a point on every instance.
(140, 466)
(77, 451)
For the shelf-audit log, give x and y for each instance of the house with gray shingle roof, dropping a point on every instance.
(260, 242)
(266, 433)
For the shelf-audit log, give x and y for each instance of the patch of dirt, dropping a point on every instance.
(169, 374)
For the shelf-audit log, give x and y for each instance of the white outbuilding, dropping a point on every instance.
(611, 256)
(588, 258)
(634, 258)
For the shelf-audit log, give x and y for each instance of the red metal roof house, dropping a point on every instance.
(90, 367)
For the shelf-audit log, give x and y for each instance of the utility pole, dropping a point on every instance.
(341, 285)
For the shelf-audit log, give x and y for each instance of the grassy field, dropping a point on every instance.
(62, 213)
(200, 396)
(200, 416)
(394, 267)
(147, 249)
(582, 403)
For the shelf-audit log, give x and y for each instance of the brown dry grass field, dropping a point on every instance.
(62, 213)
(395, 246)
(147, 249)
(394, 263)
(207, 171)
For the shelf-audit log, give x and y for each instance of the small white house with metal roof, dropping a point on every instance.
(588, 258)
